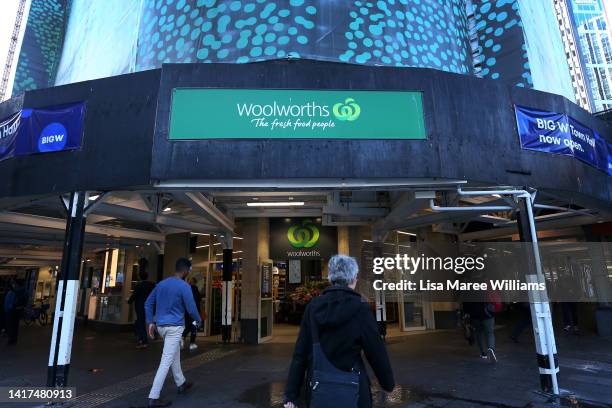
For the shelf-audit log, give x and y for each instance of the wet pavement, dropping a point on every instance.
(435, 369)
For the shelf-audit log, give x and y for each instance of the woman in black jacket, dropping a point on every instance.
(346, 328)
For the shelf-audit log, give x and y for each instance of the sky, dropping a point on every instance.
(8, 8)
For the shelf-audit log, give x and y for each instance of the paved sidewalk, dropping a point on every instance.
(435, 369)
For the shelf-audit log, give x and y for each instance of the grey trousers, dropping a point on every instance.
(170, 359)
(484, 328)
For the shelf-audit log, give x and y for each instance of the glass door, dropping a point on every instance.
(412, 307)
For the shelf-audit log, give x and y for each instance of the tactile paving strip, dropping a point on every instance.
(123, 388)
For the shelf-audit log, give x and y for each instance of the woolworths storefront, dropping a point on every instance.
(261, 172)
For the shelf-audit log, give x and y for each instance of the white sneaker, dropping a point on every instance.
(193, 346)
(491, 355)
(182, 344)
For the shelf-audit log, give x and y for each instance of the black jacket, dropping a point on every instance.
(346, 327)
(197, 296)
(477, 310)
(141, 292)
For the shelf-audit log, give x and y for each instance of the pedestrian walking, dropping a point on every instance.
(141, 292)
(2, 314)
(336, 327)
(190, 328)
(14, 304)
(570, 317)
(525, 320)
(170, 299)
(482, 318)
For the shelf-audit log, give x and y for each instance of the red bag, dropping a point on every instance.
(494, 299)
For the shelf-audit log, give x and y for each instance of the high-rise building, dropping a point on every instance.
(588, 43)
(573, 54)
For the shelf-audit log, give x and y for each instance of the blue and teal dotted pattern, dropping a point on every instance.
(501, 42)
(414, 33)
(421, 33)
(41, 46)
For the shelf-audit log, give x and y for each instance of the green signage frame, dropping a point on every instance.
(222, 113)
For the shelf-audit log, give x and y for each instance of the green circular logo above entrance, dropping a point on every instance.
(304, 235)
(349, 110)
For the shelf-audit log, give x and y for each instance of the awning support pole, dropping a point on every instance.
(543, 333)
(67, 292)
(227, 288)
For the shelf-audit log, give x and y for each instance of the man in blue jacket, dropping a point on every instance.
(171, 299)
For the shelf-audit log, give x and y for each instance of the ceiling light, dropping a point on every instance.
(202, 246)
(255, 198)
(238, 238)
(200, 233)
(276, 204)
(407, 233)
(94, 197)
(167, 209)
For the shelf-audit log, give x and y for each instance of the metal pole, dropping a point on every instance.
(546, 349)
(67, 293)
(379, 295)
(226, 297)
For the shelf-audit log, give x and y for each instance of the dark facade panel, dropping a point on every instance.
(470, 124)
(117, 138)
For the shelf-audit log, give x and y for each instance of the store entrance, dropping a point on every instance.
(295, 283)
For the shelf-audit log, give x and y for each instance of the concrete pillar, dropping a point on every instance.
(177, 246)
(343, 240)
(437, 315)
(256, 247)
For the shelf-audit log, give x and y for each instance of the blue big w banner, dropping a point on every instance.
(32, 131)
(552, 132)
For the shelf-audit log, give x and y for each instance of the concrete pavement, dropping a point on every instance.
(434, 369)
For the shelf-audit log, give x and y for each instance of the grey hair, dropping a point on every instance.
(342, 269)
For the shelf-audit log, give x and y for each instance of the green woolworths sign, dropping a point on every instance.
(202, 113)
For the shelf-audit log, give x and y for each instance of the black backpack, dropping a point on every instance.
(330, 387)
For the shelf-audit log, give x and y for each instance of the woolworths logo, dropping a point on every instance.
(297, 116)
(349, 110)
(304, 235)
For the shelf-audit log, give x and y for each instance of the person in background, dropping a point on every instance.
(525, 320)
(141, 292)
(14, 304)
(190, 328)
(170, 299)
(2, 314)
(345, 326)
(483, 320)
(570, 317)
